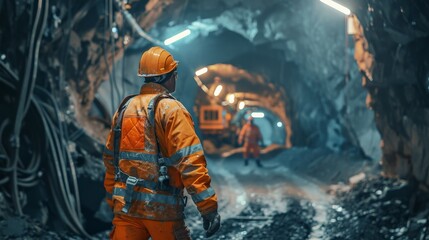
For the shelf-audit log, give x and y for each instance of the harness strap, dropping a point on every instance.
(117, 132)
(163, 180)
(153, 103)
(132, 181)
(123, 177)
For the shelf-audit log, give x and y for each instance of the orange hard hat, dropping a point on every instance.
(155, 62)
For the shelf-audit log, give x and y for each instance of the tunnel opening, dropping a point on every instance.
(227, 96)
(271, 126)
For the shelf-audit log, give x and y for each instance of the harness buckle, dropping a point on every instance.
(131, 182)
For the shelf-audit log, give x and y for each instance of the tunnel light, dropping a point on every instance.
(231, 98)
(279, 124)
(351, 29)
(257, 114)
(241, 105)
(218, 90)
(337, 6)
(177, 37)
(115, 33)
(201, 71)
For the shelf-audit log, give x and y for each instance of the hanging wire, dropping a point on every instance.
(113, 36)
(106, 30)
(25, 95)
(123, 62)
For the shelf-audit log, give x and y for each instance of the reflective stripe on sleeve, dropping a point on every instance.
(150, 197)
(203, 195)
(186, 151)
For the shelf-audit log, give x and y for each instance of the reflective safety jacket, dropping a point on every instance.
(250, 134)
(133, 188)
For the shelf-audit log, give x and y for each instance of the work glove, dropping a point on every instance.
(211, 223)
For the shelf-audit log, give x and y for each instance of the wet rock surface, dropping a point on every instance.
(296, 223)
(283, 205)
(252, 223)
(378, 208)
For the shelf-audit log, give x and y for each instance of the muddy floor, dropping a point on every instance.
(290, 197)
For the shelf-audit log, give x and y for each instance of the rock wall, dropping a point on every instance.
(307, 41)
(392, 50)
(325, 100)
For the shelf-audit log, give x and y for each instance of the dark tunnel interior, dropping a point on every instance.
(300, 119)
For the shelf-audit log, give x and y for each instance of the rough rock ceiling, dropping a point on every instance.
(306, 42)
(392, 53)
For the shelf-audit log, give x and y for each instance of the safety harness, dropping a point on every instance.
(132, 181)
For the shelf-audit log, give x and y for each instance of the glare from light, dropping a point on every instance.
(351, 29)
(337, 6)
(279, 124)
(201, 71)
(177, 37)
(231, 98)
(218, 90)
(241, 105)
(257, 114)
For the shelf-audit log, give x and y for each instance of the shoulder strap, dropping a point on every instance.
(152, 106)
(151, 113)
(117, 130)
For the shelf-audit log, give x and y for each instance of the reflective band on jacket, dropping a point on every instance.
(138, 156)
(186, 151)
(203, 195)
(150, 197)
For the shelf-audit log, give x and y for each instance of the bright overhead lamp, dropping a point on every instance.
(257, 114)
(201, 71)
(279, 124)
(241, 105)
(337, 6)
(177, 37)
(231, 98)
(218, 90)
(351, 29)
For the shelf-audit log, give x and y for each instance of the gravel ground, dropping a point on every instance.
(252, 223)
(276, 202)
(379, 208)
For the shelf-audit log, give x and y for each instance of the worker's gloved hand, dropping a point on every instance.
(211, 223)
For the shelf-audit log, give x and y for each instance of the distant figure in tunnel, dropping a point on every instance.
(251, 135)
(152, 153)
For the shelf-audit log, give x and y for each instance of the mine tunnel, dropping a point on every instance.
(299, 119)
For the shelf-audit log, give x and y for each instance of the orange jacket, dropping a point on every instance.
(251, 134)
(179, 145)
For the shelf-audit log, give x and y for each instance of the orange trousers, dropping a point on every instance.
(130, 228)
(251, 148)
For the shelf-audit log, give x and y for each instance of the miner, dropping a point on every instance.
(251, 135)
(152, 153)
